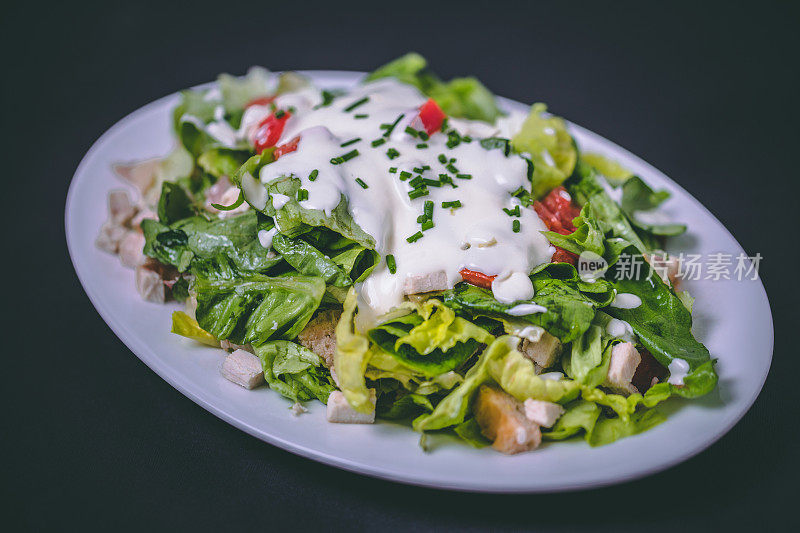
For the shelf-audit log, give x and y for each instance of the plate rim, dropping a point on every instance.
(141, 351)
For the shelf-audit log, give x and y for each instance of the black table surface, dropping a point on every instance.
(93, 438)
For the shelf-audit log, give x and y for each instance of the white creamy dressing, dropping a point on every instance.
(626, 300)
(555, 376)
(620, 330)
(678, 369)
(526, 309)
(478, 235)
(265, 237)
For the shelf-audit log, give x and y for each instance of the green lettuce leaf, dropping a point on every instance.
(253, 308)
(238, 91)
(587, 362)
(637, 196)
(222, 161)
(551, 147)
(587, 237)
(431, 340)
(294, 371)
(460, 97)
(614, 173)
(186, 326)
(353, 354)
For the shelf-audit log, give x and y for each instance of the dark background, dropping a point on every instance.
(705, 92)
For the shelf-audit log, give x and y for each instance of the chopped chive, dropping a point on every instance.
(393, 170)
(391, 153)
(432, 183)
(390, 127)
(421, 219)
(464, 176)
(360, 116)
(442, 159)
(417, 182)
(378, 142)
(357, 103)
(447, 180)
(428, 209)
(327, 98)
(351, 141)
(428, 224)
(404, 175)
(513, 212)
(414, 238)
(391, 264)
(418, 170)
(515, 226)
(451, 168)
(416, 193)
(411, 131)
(466, 139)
(423, 135)
(361, 183)
(344, 157)
(425, 167)
(302, 194)
(280, 113)
(313, 175)
(421, 146)
(453, 204)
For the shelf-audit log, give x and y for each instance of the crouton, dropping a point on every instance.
(110, 236)
(502, 420)
(622, 367)
(130, 249)
(244, 369)
(544, 352)
(340, 412)
(141, 175)
(418, 283)
(543, 413)
(120, 208)
(319, 335)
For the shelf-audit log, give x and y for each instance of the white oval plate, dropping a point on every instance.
(731, 317)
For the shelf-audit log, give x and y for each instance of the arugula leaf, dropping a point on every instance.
(294, 371)
(637, 199)
(254, 308)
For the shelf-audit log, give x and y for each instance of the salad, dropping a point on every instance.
(406, 250)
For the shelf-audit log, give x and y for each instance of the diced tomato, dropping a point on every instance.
(549, 218)
(264, 100)
(270, 129)
(564, 256)
(286, 148)
(431, 116)
(479, 279)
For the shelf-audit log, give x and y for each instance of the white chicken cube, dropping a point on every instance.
(130, 249)
(544, 352)
(110, 236)
(624, 361)
(543, 413)
(340, 412)
(244, 369)
(150, 285)
(120, 208)
(418, 283)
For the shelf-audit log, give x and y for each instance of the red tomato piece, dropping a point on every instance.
(286, 148)
(431, 116)
(564, 256)
(269, 131)
(549, 218)
(479, 279)
(264, 100)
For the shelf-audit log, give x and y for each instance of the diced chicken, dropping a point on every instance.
(544, 352)
(120, 208)
(543, 413)
(110, 236)
(130, 249)
(298, 409)
(150, 285)
(319, 335)
(215, 192)
(419, 283)
(141, 175)
(244, 369)
(502, 420)
(340, 412)
(666, 267)
(622, 367)
(229, 346)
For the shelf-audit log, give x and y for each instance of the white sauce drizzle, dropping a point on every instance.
(678, 369)
(384, 209)
(526, 309)
(626, 300)
(620, 329)
(555, 376)
(265, 237)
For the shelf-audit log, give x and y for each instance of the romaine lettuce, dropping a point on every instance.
(294, 371)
